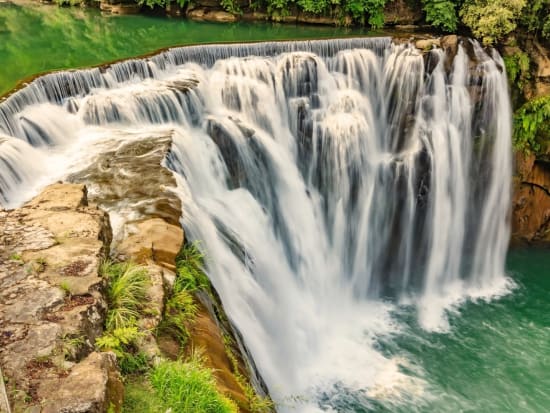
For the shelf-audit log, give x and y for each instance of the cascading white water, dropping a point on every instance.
(328, 181)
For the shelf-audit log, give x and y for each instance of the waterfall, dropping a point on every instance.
(329, 183)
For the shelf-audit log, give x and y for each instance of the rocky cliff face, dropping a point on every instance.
(52, 305)
(531, 202)
(52, 300)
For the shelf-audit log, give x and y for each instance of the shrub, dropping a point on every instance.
(441, 14)
(231, 6)
(491, 20)
(531, 132)
(517, 69)
(189, 387)
(180, 309)
(374, 9)
(315, 6)
(536, 18)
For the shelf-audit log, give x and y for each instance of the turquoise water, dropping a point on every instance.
(494, 359)
(36, 38)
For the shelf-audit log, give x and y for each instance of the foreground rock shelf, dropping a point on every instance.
(52, 306)
(53, 303)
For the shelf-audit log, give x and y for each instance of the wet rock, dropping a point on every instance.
(118, 183)
(315, 19)
(121, 9)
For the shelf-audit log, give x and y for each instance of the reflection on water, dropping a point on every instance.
(35, 38)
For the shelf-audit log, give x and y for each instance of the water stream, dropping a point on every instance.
(352, 197)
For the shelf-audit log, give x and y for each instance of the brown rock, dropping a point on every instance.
(152, 240)
(531, 203)
(427, 44)
(212, 16)
(55, 239)
(93, 386)
(121, 184)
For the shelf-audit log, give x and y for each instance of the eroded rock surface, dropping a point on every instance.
(52, 306)
(531, 204)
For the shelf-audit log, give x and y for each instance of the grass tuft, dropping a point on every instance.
(189, 387)
(126, 293)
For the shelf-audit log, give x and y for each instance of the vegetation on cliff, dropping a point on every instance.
(182, 383)
(531, 131)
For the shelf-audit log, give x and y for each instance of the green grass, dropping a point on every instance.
(189, 267)
(181, 309)
(189, 387)
(16, 257)
(127, 292)
(179, 312)
(183, 387)
(66, 288)
(140, 397)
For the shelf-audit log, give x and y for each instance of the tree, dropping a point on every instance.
(491, 20)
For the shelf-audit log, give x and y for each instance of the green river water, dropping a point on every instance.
(496, 356)
(36, 38)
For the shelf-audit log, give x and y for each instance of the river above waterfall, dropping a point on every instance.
(36, 38)
(351, 199)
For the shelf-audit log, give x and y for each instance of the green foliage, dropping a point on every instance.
(441, 14)
(256, 403)
(126, 293)
(316, 6)
(189, 267)
(122, 342)
(16, 257)
(517, 69)
(71, 346)
(374, 9)
(139, 397)
(133, 363)
(231, 6)
(118, 339)
(180, 311)
(66, 288)
(189, 387)
(531, 131)
(491, 20)
(536, 18)
(279, 8)
(160, 3)
(68, 2)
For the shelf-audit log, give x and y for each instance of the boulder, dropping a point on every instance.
(427, 44)
(211, 15)
(140, 189)
(152, 240)
(93, 386)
